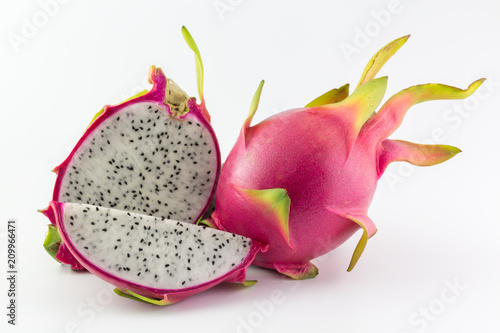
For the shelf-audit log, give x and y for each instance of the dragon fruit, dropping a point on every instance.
(302, 180)
(141, 168)
(154, 154)
(152, 259)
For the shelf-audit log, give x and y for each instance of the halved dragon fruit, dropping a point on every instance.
(302, 180)
(152, 259)
(155, 154)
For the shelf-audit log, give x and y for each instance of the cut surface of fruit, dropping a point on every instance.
(149, 252)
(143, 160)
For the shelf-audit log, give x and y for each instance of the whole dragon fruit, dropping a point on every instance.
(154, 154)
(302, 180)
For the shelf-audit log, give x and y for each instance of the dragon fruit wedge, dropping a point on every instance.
(154, 154)
(152, 259)
(302, 180)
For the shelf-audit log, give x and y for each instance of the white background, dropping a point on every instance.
(438, 226)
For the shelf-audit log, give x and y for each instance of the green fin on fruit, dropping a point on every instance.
(298, 272)
(136, 297)
(379, 59)
(206, 222)
(199, 64)
(248, 283)
(369, 229)
(52, 241)
(333, 96)
(372, 68)
(356, 109)
(254, 105)
(363, 102)
(274, 202)
(414, 153)
(253, 109)
(391, 114)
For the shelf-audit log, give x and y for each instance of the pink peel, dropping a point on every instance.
(332, 96)
(65, 256)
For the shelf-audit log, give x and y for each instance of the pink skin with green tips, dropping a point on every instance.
(302, 180)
